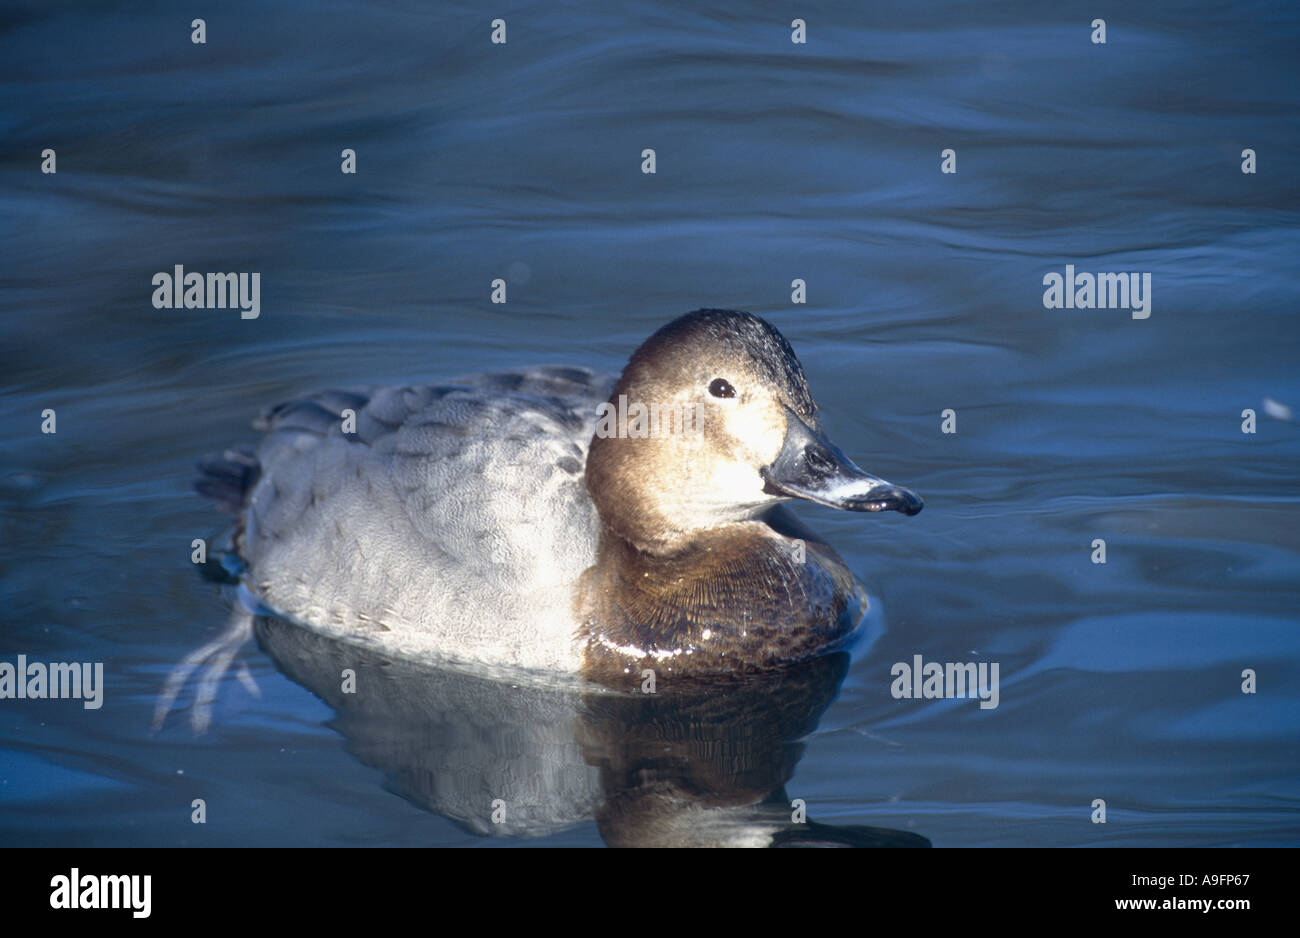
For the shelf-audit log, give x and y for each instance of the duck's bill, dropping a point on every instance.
(811, 467)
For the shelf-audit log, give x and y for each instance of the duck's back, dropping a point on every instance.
(449, 521)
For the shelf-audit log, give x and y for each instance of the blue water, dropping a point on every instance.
(775, 161)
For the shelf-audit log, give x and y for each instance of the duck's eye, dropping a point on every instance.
(720, 387)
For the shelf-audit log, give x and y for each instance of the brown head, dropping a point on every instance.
(712, 423)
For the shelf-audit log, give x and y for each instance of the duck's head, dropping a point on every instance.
(712, 423)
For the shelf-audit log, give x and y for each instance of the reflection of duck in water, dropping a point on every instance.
(695, 764)
(494, 521)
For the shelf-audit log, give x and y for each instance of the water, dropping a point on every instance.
(1119, 682)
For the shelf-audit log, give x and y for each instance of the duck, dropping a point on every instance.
(536, 521)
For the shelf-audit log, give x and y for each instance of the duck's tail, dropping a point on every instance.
(229, 478)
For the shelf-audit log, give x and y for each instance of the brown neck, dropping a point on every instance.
(737, 599)
(627, 512)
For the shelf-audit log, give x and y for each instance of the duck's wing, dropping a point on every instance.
(392, 508)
